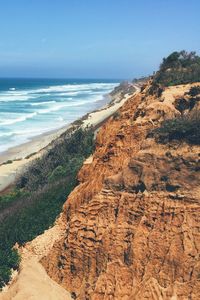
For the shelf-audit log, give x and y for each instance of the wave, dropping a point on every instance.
(60, 90)
(60, 119)
(74, 87)
(56, 108)
(44, 109)
(70, 93)
(29, 132)
(70, 104)
(53, 108)
(42, 103)
(19, 119)
(88, 92)
(15, 97)
(6, 134)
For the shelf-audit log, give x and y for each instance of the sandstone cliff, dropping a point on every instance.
(132, 225)
(131, 228)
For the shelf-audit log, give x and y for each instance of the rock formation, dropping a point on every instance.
(131, 229)
(132, 225)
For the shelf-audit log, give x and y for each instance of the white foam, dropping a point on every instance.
(19, 119)
(6, 134)
(62, 90)
(69, 94)
(75, 87)
(62, 105)
(59, 110)
(42, 103)
(60, 119)
(15, 97)
(29, 132)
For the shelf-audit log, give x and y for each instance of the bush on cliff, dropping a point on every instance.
(194, 91)
(9, 198)
(68, 154)
(184, 128)
(8, 259)
(178, 68)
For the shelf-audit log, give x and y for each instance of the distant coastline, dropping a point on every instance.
(30, 107)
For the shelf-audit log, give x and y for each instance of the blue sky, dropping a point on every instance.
(93, 38)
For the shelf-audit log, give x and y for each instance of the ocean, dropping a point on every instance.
(29, 107)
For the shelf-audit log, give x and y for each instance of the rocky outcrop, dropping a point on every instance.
(132, 226)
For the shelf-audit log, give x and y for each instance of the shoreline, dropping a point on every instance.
(14, 160)
(40, 141)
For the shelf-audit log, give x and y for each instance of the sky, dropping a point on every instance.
(94, 38)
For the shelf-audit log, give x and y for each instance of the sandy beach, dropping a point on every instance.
(15, 159)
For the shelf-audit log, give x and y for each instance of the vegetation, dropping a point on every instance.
(178, 68)
(64, 159)
(30, 155)
(40, 194)
(194, 91)
(9, 259)
(142, 79)
(7, 199)
(116, 115)
(7, 162)
(184, 128)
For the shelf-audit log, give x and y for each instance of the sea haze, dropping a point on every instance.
(29, 107)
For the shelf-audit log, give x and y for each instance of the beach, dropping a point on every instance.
(14, 160)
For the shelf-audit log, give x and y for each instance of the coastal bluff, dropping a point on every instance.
(130, 229)
(132, 224)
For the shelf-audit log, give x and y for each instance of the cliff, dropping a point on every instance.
(131, 228)
(132, 224)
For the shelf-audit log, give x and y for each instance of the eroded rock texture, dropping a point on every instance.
(133, 222)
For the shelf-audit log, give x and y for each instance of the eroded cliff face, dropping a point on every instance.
(133, 222)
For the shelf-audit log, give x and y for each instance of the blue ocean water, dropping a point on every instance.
(29, 107)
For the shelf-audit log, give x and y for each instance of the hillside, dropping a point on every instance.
(130, 229)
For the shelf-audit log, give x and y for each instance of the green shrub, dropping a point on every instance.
(8, 162)
(184, 128)
(178, 68)
(182, 104)
(116, 115)
(5, 273)
(194, 91)
(9, 258)
(14, 195)
(57, 173)
(30, 155)
(69, 147)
